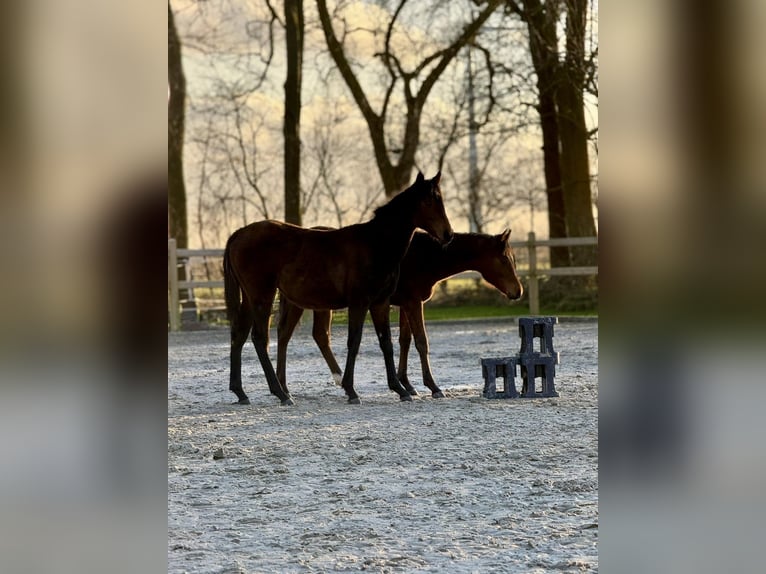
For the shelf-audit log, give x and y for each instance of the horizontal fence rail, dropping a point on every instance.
(533, 273)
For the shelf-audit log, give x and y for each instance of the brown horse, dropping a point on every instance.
(426, 264)
(355, 267)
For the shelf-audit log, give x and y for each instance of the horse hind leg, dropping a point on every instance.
(262, 314)
(405, 338)
(289, 315)
(321, 334)
(355, 326)
(240, 329)
(417, 325)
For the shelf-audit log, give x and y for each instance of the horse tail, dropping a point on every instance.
(231, 287)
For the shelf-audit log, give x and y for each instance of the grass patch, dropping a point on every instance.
(460, 312)
(442, 313)
(483, 311)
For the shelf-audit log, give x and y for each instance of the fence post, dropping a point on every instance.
(534, 286)
(174, 304)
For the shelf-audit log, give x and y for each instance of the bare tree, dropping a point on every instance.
(416, 81)
(335, 194)
(541, 20)
(561, 83)
(481, 127)
(573, 134)
(387, 59)
(232, 46)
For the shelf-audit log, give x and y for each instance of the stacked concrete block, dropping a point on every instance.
(533, 363)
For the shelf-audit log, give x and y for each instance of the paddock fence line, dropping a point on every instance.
(533, 272)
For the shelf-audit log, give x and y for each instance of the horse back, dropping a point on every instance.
(265, 245)
(313, 268)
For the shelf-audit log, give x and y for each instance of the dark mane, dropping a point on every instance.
(397, 203)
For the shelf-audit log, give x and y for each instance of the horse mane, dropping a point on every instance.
(396, 203)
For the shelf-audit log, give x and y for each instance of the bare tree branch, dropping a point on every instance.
(395, 176)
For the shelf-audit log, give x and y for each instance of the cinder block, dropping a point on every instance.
(504, 367)
(531, 328)
(533, 364)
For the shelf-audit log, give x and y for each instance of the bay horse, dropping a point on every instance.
(355, 266)
(425, 264)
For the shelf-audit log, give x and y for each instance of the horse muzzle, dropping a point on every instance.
(515, 296)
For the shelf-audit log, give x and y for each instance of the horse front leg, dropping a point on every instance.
(380, 313)
(262, 314)
(415, 318)
(405, 338)
(289, 315)
(321, 333)
(240, 329)
(355, 324)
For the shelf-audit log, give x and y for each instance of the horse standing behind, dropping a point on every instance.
(355, 266)
(425, 264)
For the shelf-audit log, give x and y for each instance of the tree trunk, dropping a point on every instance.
(177, 221)
(543, 41)
(177, 226)
(573, 136)
(294, 27)
(475, 220)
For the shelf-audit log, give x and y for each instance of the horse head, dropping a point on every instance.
(501, 268)
(431, 215)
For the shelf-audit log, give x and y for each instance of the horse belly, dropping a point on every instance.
(316, 293)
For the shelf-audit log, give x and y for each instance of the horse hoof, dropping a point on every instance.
(244, 401)
(405, 398)
(413, 392)
(438, 395)
(355, 401)
(288, 402)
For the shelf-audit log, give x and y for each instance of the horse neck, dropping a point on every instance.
(396, 239)
(395, 231)
(466, 252)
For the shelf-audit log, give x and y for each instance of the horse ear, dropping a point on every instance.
(420, 178)
(437, 178)
(506, 235)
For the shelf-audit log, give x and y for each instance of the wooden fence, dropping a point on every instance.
(533, 272)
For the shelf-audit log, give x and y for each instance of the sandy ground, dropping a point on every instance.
(462, 484)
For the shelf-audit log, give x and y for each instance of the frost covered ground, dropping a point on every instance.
(462, 484)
